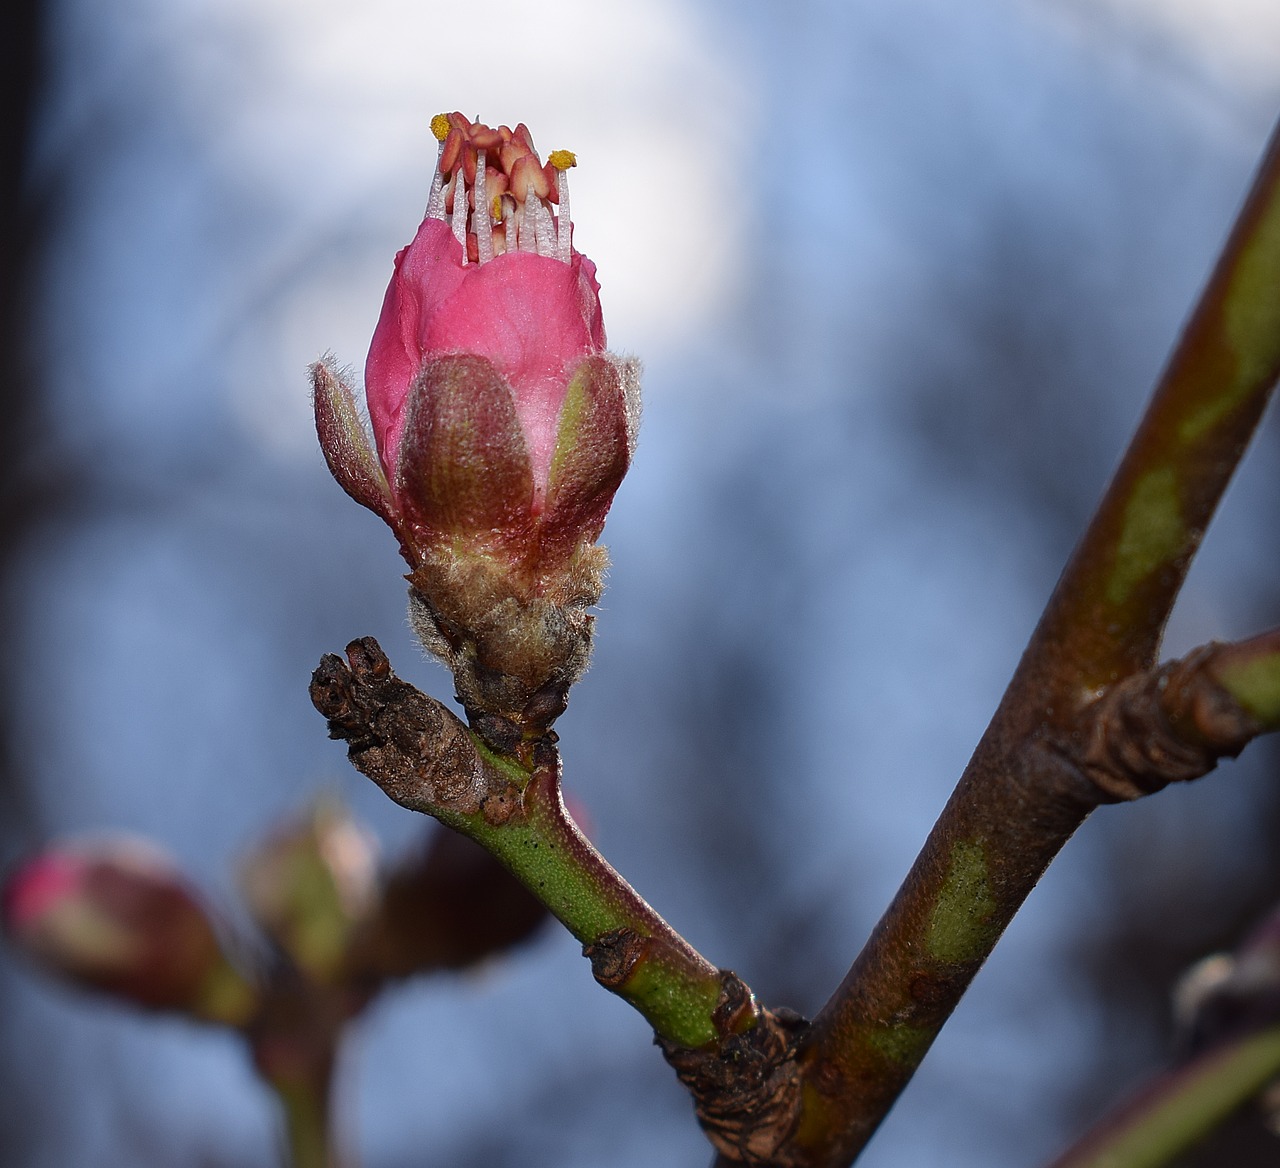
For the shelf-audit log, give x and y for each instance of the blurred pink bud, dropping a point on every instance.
(118, 916)
(310, 883)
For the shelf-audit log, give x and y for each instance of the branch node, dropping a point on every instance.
(1162, 726)
(614, 956)
(747, 1086)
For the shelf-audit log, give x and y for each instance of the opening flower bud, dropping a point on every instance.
(502, 426)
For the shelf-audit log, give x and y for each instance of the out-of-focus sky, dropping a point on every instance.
(901, 276)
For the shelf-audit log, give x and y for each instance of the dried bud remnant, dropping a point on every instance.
(502, 427)
(409, 744)
(614, 956)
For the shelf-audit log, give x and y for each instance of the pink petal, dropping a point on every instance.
(532, 316)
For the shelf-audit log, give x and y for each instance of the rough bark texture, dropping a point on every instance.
(747, 1087)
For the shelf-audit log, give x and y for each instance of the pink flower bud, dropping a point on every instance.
(496, 410)
(502, 427)
(117, 916)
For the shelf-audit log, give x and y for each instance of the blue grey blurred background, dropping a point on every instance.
(901, 276)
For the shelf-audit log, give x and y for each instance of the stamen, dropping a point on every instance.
(485, 138)
(528, 179)
(531, 224)
(481, 219)
(521, 134)
(454, 148)
(460, 212)
(561, 161)
(519, 205)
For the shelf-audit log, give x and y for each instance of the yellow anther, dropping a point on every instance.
(440, 127)
(495, 207)
(562, 159)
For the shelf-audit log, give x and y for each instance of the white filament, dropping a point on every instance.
(435, 201)
(528, 223)
(481, 218)
(509, 223)
(545, 228)
(564, 237)
(531, 226)
(460, 209)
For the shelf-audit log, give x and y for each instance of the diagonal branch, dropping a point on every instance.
(1109, 609)
(425, 759)
(736, 1058)
(1028, 787)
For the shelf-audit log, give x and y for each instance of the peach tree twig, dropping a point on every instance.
(736, 1056)
(1086, 719)
(499, 430)
(295, 1040)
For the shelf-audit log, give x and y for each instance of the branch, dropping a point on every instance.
(294, 1041)
(1180, 1108)
(1228, 1008)
(1107, 613)
(1250, 673)
(1172, 724)
(737, 1058)
(1030, 782)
